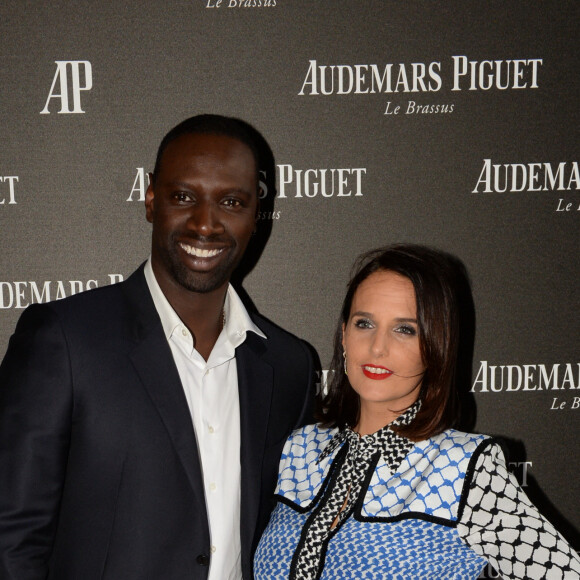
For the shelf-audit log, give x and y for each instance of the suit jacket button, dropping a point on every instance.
(202, 560)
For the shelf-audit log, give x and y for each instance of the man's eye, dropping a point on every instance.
(181, 196)
(230, 202)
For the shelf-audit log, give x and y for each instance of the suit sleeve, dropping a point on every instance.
(35, 423)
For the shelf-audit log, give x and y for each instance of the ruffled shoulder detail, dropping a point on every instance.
(429, 481)
(301, 472)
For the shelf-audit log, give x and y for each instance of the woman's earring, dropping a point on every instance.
(345, 369)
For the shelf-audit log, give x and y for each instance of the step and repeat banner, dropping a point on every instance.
(453, 124)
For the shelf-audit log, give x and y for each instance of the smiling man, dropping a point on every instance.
(141, 424)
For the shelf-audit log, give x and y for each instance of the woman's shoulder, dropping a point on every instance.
(302, 468)
(429, 481)
(448, 455)
(453, 441)
(308, 440)
(460, 437)
(449, 448)
(314, 428)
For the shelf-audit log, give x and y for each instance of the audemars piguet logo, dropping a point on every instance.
(495, 378)
(8, 189)
(320, 182)
(20, 294)
(460, 73)
(71, 79)
(516, 177)
(292, 182)
(558, 378)
(531, 177)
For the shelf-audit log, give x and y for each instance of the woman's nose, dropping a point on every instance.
(380, 346)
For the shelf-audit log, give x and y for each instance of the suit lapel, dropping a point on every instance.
(153, 362)
(255, 384)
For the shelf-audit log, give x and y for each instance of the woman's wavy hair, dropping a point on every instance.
(433, 274)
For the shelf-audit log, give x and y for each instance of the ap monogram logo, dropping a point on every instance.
(70, 87)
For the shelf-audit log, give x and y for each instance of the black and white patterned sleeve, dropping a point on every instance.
(500, 523)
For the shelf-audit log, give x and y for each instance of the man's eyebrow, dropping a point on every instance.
(188, 186)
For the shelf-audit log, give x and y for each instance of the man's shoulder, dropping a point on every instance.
(270, 328)
(278, 336)
(93, 306)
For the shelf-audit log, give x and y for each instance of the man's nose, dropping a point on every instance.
(205, 219)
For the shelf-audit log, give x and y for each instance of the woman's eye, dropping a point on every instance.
(406, 329)
(363, 323)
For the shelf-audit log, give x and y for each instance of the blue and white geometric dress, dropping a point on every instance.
(434, 510)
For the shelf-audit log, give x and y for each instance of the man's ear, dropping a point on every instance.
(149, 199)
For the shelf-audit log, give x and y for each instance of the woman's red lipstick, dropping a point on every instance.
(376, 373)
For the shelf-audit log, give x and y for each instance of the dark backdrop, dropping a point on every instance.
(453, 124)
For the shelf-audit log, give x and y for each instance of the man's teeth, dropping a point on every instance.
(377, 371)
(198, 253)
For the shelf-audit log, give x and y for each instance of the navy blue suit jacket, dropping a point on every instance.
(100, 476)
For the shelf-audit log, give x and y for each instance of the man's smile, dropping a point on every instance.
(200, 252)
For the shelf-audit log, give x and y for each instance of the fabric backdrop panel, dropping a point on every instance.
(453, 124)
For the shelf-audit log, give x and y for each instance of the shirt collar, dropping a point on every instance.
(238, 321)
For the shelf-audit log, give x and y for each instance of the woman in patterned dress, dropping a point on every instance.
(383, 487)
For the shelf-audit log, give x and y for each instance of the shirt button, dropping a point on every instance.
(213, 549)
(212, 486)
(184, 332)
(210, 429)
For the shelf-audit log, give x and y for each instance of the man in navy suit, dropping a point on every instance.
(141, 424)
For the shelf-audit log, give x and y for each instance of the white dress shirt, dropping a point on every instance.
(211, 390)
